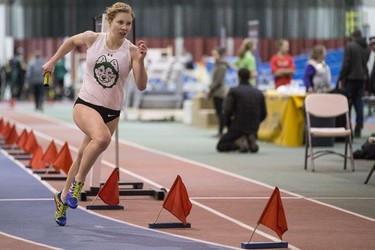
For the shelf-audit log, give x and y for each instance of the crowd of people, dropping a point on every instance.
(241, 109)
(22, 79)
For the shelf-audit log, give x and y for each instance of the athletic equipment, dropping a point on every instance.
(47, 77)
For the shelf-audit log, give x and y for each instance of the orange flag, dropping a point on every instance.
(36, 161)
(12, 136)
(177, 201)
(51, 153)
(21, 141)
(6, 130)
(1, 125)
(109, 193)
(64, 159)
(273, 215)
(31, 144)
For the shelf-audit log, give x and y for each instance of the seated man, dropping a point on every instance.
(244, 110)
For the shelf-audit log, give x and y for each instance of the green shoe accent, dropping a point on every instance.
(60, 214)
(74, 194)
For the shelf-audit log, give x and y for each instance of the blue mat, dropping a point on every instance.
(27, 208)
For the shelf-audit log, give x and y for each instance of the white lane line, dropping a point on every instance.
(239, 223)
(222, 198)
(283, 197)
(28, 241)
(53, 190)
(223, 216)
(27, 199)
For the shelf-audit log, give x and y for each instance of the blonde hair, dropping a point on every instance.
(246, 45)
(118, 7)
(317, 51)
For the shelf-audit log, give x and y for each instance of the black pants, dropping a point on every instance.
(38, 90)
(218, 103)
(355, 90)
(226, 142)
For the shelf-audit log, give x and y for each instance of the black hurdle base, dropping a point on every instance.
(136, 190)
(169, 225)
(157, 194)
(53, 177)
(129, 184)
(26, 157)
(105, 207)
(15, 152)
(9, 147)
(263, 245)
(45, 171)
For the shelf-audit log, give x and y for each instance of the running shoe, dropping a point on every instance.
(60, 214)
(74, 194)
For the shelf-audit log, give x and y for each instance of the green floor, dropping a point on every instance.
(273, 165)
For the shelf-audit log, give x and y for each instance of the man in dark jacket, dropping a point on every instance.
(244, 110)
(371, 86)
(354, 74)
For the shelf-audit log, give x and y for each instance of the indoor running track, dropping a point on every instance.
(225, 206)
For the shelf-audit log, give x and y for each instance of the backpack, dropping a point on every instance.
(366, 152)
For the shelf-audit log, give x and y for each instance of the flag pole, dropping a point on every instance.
(253, 233)
(117, 151)
(96, 197)
(158, 214)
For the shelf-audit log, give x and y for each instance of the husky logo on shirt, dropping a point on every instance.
(106, 73)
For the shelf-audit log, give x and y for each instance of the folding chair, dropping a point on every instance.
(327, 106)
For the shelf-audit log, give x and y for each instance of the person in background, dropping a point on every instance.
(246, 59)
(282, 64)
(354, 75)
(244, 110)
(60, 72)
(109, 60)
(34, 76)
(17, 77)
(317, 76)
(6, 86)
(371, 85)
(217, 89)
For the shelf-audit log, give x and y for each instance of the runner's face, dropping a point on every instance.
(121, 24)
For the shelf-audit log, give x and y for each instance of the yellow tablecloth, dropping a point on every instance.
(284, 124)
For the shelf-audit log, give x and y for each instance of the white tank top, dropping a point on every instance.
(105, 74)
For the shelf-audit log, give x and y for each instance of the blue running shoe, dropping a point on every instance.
(74, 194)
(60, 214)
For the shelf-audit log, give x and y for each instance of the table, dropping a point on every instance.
(284, 124)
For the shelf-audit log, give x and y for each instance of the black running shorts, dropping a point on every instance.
(106, 113)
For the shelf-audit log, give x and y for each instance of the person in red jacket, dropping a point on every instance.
(282, 64)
